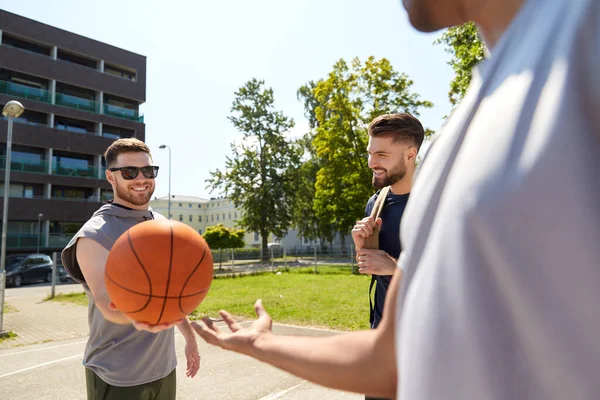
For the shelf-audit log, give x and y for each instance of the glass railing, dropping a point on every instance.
(21, 240)
(74, 129)
(23, 91)
(77, 103)
(122, 112)
(92, 198)
(65, 100)
(89, 172)
(22, 120)
(25, 166)
(59, 239)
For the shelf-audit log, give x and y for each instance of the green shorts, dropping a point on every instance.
(162, 389)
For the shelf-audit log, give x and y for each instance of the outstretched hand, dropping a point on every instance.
(240, 340)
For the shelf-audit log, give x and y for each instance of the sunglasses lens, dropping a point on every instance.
(129, 172)
(150, 172)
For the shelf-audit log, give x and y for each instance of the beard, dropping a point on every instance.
(124, 193)
(389, 177)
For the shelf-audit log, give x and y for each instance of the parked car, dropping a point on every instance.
(27, 268)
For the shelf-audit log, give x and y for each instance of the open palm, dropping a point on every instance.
(239, 339)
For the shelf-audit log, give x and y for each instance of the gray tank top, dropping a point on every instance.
(119, 354)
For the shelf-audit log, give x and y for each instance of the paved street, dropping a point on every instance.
(45, 361)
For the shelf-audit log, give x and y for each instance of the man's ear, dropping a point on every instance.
(109, 176)
(411, 154)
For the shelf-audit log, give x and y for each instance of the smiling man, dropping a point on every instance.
(123, 359)
(394, 140)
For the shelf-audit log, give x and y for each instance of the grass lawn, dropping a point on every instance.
(334, 298)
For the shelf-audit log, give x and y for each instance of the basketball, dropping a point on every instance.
(158, 271)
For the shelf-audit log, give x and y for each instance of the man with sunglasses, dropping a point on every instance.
(124, 359)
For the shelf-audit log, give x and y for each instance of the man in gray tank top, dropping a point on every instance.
(124, 359)
(500, 266)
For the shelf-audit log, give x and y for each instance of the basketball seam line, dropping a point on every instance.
(155, 296)
(143, 269)
(188, 279)
(168, 277)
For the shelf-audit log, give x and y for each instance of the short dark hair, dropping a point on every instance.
(402, 127)
(129, 145)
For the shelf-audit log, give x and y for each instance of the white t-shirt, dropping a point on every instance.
(501, 291)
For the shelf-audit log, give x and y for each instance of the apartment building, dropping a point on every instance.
(79, 96)
(201, 213)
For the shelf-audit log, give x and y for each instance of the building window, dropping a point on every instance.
(179, 204)
(190, 218)
(170, 216)
(223, 216)
(229, 215)
(189, 205)
(217, 217)
(235, 215)
(199, 218)
(212, 218)
(180, 217)
(256, 236)
(200, 231)
(199, 205)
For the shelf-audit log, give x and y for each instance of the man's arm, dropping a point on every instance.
(362, 362)
(91, 257)
(192, 354)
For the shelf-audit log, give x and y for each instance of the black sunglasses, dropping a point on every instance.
(129, 173)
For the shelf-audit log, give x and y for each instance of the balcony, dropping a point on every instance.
(77, 103)
(123, 113)
(89, 172)
(25, 166)
(59, 239)
(25, 92)
(23, 240)
(65, 100)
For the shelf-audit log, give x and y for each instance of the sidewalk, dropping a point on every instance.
(38, 321)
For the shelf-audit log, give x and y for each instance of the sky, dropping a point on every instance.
(200, 52)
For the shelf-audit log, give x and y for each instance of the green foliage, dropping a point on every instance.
(339, 109)
(260, 176)
(7, 336)
(467, 50)
(219, 237)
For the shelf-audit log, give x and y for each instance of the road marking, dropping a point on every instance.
(277, 395)
(43, 348)
(40, 365)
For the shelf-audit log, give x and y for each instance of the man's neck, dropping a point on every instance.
(404, 185)
(125, 204)
(493, 17)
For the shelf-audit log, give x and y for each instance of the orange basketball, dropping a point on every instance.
(158, 271)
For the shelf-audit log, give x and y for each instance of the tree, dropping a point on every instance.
(260, 176)
(467, 50)
(340, 108)
(219, 237)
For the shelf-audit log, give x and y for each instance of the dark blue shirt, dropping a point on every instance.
(389, 241)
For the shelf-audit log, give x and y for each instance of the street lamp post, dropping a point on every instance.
(12, 109)
(162, 146)
(39, 234)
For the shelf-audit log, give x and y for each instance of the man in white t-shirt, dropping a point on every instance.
(498, 286)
